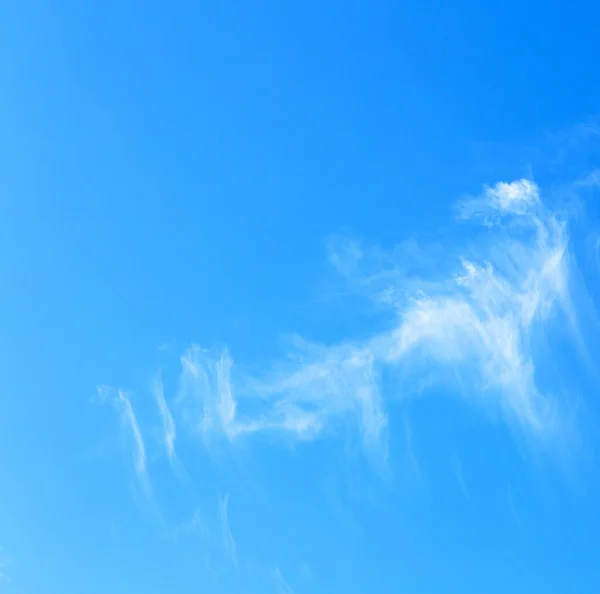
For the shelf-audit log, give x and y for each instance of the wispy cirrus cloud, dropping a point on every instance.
(476, 313)
(168, 423)
(282, 587)
(227, 537)
(298, 398)
(481, 317)
(458, 472)
(466, 317)
(511, 505)
(122, 403)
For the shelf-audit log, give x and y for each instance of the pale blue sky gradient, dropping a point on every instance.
(299, 297)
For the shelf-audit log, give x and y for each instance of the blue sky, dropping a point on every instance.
(299, 298)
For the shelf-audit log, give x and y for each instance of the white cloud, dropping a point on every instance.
(298, 398)
(282, 586)
(514, 198)
(169, 430)
(478, 319)
(227, 537)
(120, 400)
(482, 317)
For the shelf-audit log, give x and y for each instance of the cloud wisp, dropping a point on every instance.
(120, 400)
(459, 477)
(475, 315)
(226, 535)
(282, 587)
(298, 398)
(169, 428)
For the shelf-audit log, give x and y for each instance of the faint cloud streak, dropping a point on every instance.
(227, 537)
(168, 422)
(281, 585)
(120, 400)
(459, 477)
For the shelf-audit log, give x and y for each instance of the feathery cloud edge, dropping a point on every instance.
(480, 318)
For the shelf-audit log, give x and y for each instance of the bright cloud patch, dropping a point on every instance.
(517, 198)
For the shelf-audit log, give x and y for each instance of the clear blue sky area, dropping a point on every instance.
(299, 297)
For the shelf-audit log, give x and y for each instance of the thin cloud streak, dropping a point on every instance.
(227, 537)
(282, 586)
(479, 319)
(459, 477)
(511, 506)
(169, 429)
(120, 400)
